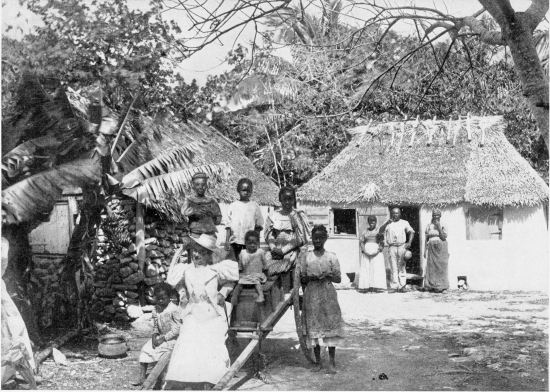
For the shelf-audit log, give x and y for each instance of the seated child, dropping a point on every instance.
(252, 264)
(165, 330)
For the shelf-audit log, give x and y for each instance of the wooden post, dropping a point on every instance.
(241, 360)
(157, 371)
(469, 127)
(140, 235)
(265, 328)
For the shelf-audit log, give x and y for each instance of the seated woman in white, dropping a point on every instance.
(200, 357)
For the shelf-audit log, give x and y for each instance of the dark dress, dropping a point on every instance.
(437, 275)
(323, 318)
(202, 214)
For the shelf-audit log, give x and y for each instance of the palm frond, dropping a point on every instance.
(176, 159)
(177, 183)
(34, 197)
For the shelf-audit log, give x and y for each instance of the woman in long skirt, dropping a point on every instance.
(372, 270)
(200, 358)
(323, 320)
(437, 254)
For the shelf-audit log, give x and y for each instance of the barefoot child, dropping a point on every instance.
(165, 330)
(252, 264)
(244, 215)
(318, 270)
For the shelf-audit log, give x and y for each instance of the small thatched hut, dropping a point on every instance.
(214, 148)
(493, 203)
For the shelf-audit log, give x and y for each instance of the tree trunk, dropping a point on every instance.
(517, 31)
(533, 80)
(77, 274)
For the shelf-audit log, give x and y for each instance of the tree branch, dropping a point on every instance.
(536, 13)
(491, 37)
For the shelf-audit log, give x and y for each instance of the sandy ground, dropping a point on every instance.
(420, 341)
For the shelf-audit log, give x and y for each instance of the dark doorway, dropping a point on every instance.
(412, 215)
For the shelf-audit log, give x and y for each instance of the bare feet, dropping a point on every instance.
(138, 382)
(331, 369)
(260, 299)
(317, 367)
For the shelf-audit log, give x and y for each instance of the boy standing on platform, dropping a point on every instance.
(244, 215)
(202, 213)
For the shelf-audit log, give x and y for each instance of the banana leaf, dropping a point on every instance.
(173, 160)
(33, 198)
(176, 183)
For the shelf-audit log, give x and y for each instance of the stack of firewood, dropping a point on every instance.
(120, 280)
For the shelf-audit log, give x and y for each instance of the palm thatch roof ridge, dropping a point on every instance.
(215, 149)
(429, 163)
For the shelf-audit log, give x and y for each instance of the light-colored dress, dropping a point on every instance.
(167, 324)
(200, 354)
(323, 318)
(243, 216)
(286, 232)
(437, 275)
(372, 269)
(251, 266)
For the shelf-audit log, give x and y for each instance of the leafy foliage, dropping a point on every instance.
(125, 50)
(334, 82)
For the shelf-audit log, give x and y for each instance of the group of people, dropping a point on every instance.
(397, 235)
(195, 331)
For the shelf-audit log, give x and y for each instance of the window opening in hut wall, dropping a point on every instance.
(345, 221)
(484, 223)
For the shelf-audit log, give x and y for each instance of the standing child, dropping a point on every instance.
(165, 330)
(201, 212)
(323, 319)
(244, 215)
(252, 264)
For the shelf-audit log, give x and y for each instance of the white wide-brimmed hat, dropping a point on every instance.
(207, 241)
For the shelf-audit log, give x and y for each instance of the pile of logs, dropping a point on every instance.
(121, 279)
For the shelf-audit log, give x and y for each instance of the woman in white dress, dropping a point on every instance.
(200, 357)
(372, 270)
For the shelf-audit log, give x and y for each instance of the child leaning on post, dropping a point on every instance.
(166, 326)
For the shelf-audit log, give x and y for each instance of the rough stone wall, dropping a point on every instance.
(46, 288)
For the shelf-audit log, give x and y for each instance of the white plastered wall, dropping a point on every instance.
(519, 261)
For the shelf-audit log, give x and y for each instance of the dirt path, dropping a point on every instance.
(420, 341)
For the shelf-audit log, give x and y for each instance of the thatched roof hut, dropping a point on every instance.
(494, 204)
(214, 148)
(429, 163)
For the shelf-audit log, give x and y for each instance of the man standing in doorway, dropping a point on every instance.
(395, 237)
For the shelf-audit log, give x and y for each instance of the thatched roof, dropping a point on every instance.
(400, 163)
(215, 148)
